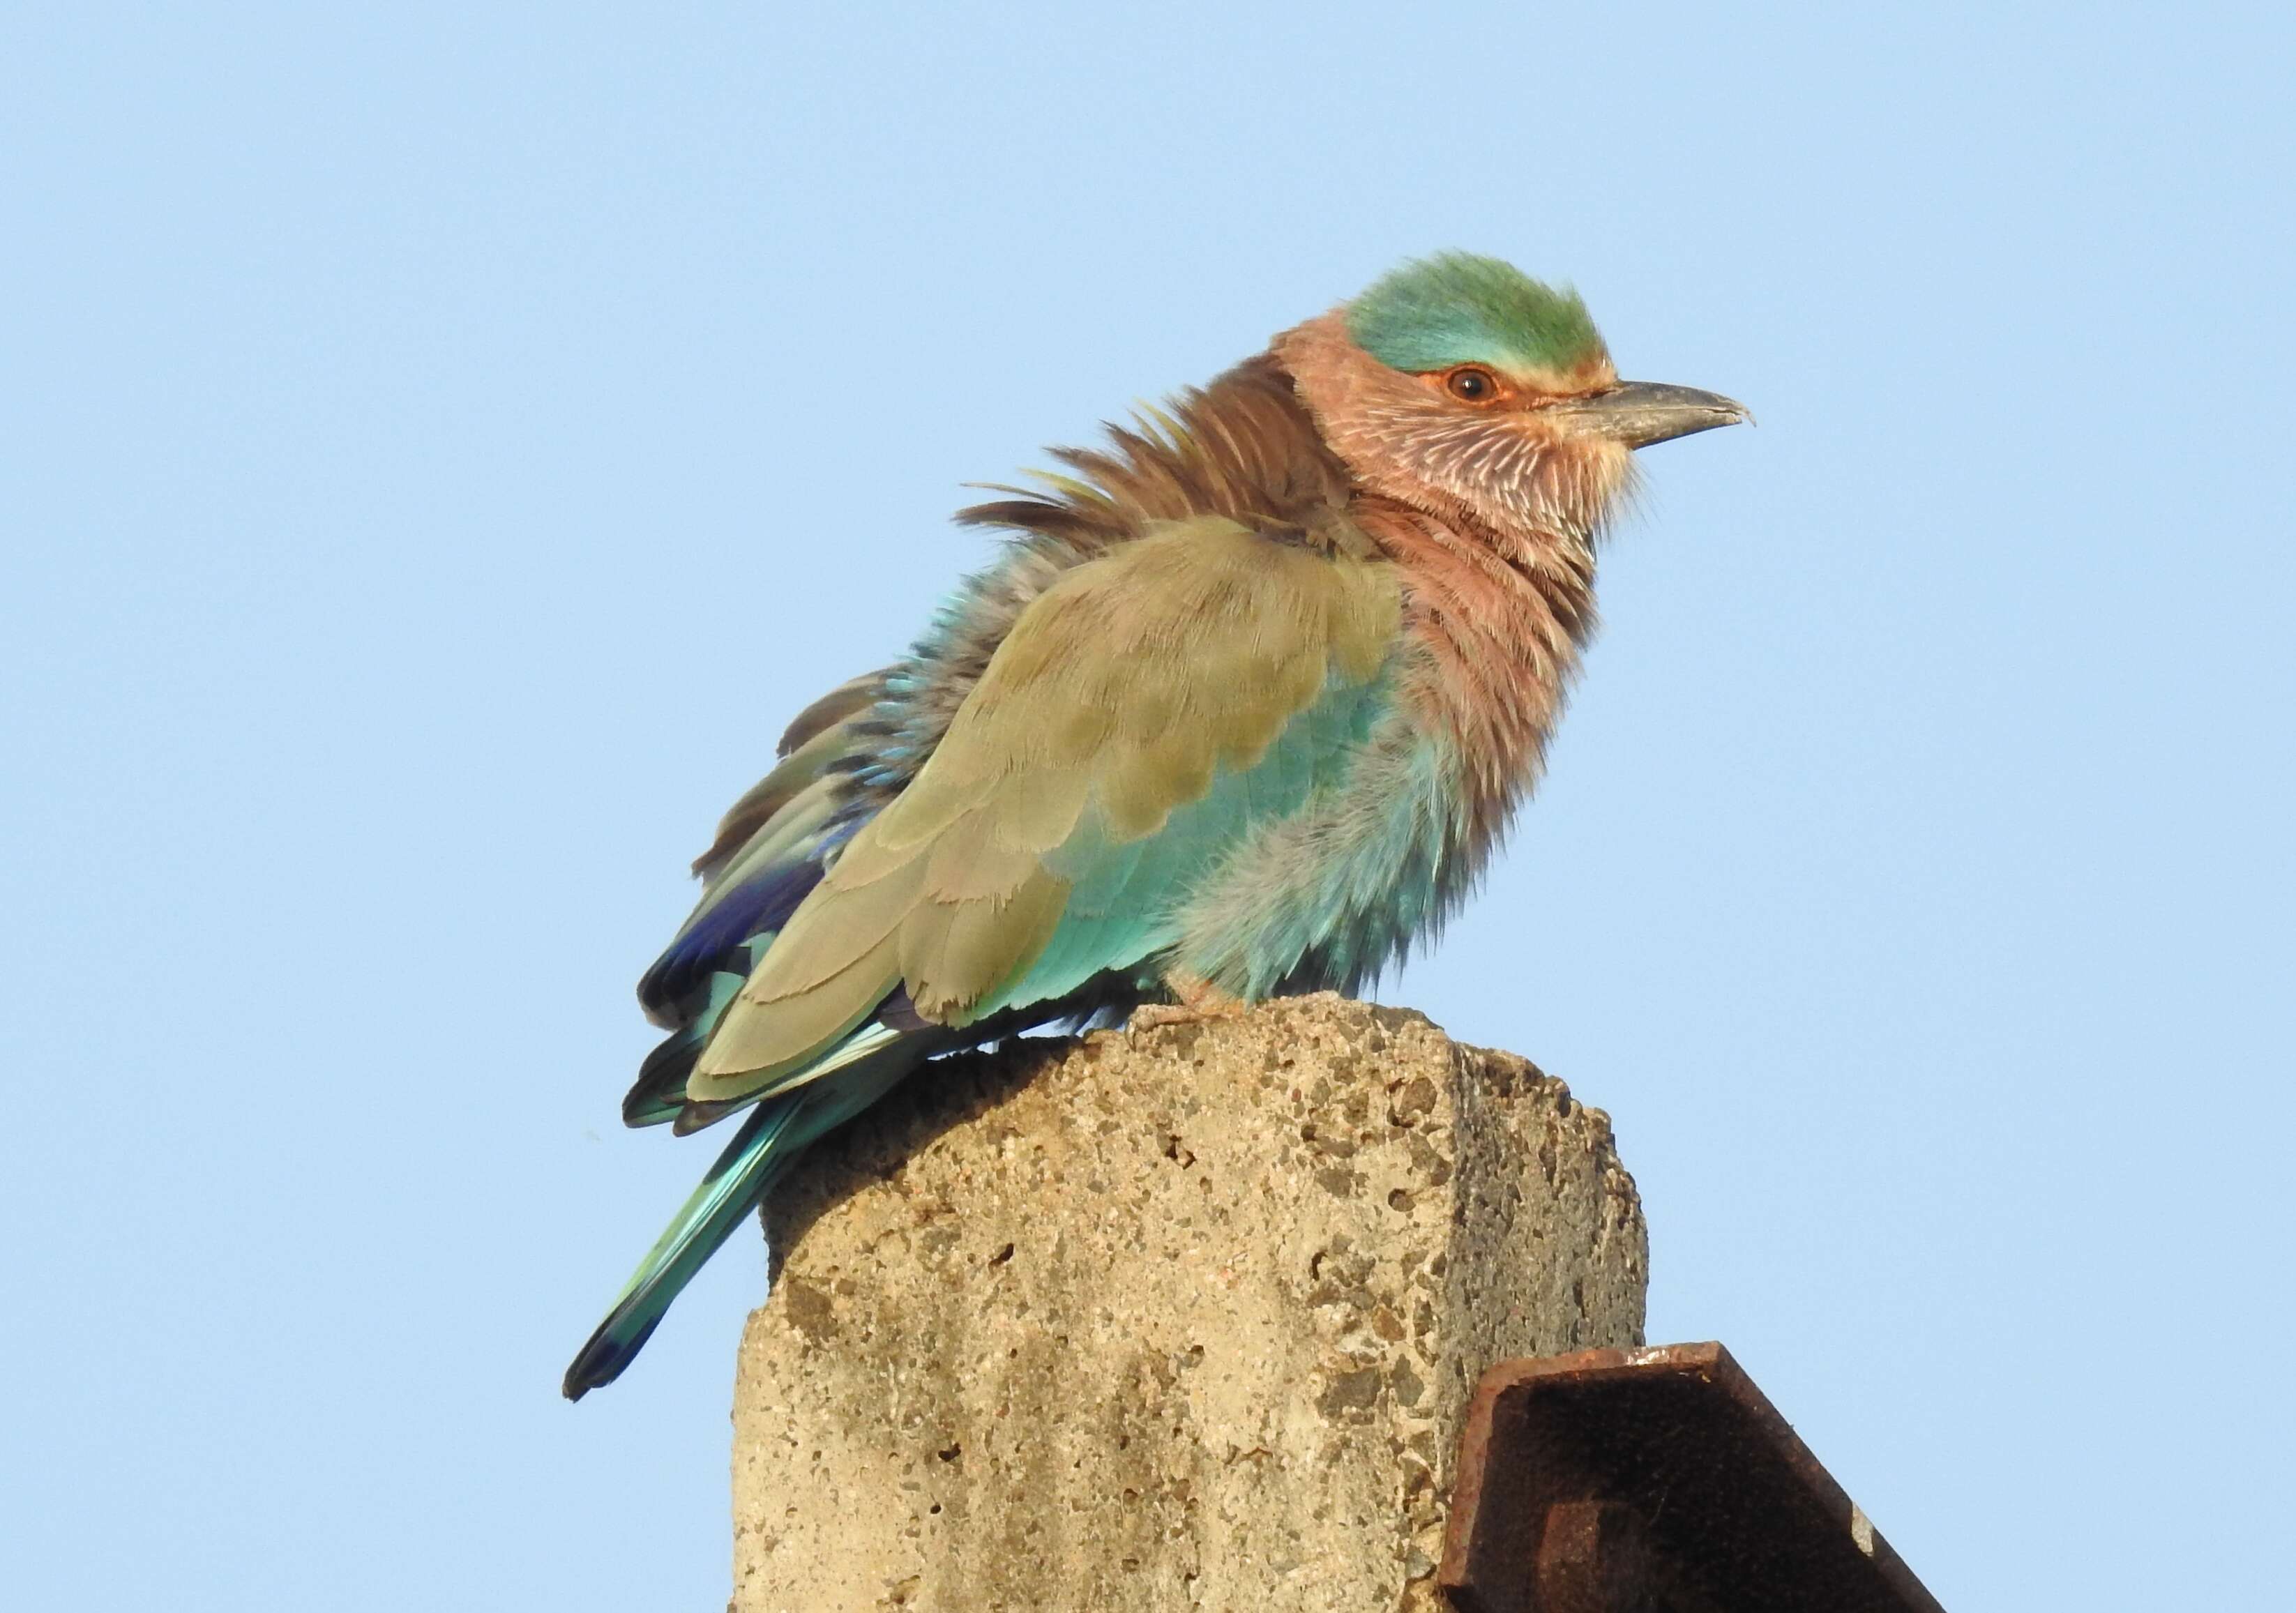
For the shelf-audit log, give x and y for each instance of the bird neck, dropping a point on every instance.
(1495, 623)
(1499, 597)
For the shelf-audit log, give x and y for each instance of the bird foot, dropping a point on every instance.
(1199, 1001)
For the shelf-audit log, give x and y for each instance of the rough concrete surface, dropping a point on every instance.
(1179, 1317)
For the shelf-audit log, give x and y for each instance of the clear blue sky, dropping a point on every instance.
(438, 446)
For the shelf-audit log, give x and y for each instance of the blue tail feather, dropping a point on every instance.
(767, 1144)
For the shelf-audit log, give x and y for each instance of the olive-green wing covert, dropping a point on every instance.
(1124, 735)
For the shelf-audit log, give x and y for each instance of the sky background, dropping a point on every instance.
(440, 446)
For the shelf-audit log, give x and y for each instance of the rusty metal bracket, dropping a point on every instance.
(1654, 1481)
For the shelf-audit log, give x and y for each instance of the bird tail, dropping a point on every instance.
(767, 1144)
(732, 1188)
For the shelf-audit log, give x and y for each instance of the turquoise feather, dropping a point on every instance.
(1124, 903)
(768, 1143)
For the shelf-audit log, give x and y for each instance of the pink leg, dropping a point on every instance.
(1198, 1000)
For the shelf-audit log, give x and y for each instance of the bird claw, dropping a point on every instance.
(1199, 1002)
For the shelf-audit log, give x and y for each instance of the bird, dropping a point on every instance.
(1241, 708)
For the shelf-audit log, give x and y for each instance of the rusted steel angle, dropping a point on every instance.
(1654, 1481)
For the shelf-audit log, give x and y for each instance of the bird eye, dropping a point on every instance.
(1472, 384)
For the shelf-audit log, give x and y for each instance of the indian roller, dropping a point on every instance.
(1241, 708)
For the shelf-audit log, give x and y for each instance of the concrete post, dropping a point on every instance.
(1180, 1318)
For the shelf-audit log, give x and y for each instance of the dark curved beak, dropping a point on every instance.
(1640, 413)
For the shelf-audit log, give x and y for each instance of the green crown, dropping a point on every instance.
(1456, 309)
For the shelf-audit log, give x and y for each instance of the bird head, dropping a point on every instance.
(1459, 384)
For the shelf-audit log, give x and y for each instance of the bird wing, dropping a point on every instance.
(769, 852)
(1142, 717)
(1143, 713)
